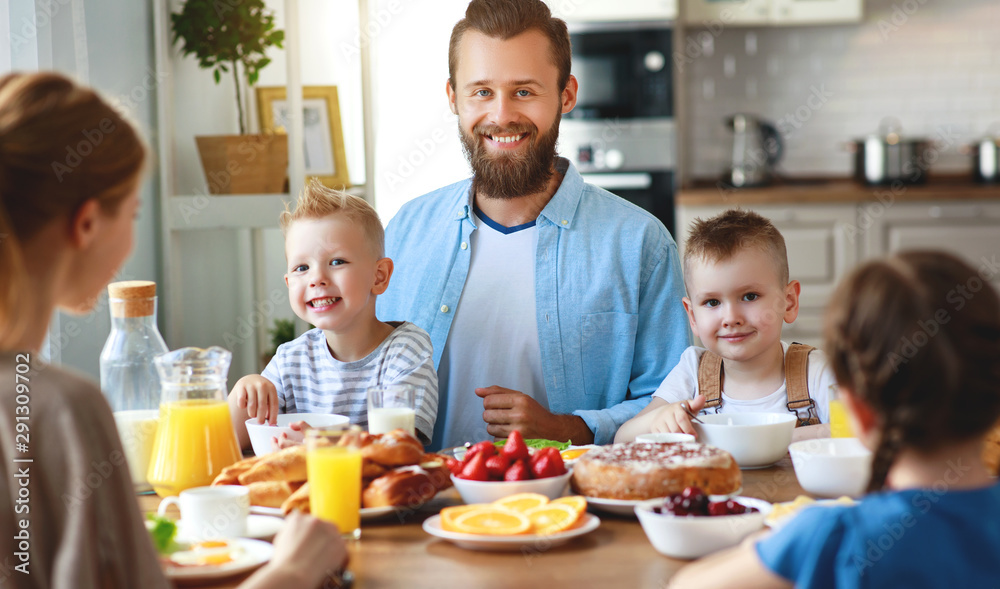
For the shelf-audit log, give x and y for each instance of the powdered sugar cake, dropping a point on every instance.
(645, 471)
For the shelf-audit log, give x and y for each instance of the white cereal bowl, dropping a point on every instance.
(694, 536)
(832, 467)
(261, 433)
(756, 440)
(660, 438)
(490, 491)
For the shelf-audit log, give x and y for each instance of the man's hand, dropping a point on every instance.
(505, 410)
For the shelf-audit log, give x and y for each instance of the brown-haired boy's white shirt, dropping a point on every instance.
(682, 384)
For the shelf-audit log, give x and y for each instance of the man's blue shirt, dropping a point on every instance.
(608, 291)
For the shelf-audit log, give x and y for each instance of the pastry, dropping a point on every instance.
(271, 493)
(230, 474)
(405, 486)
(645, 471)
(396, 448)
(284, 465)
(299, 500)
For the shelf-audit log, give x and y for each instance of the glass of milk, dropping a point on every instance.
(391, 407)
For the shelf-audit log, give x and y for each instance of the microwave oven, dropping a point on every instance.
(624, 70)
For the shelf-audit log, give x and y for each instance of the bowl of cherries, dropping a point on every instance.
(691, 524)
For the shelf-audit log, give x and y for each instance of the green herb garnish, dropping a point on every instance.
(162, 532)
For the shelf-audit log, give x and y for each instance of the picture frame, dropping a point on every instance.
(323, 136)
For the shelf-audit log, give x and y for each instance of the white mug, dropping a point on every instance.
(654, 438)
(209, 513)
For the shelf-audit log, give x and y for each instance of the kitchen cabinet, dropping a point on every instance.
(821, 249)
(771, 12)
(574, 11)
(969, 229)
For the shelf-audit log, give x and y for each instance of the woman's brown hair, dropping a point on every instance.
(917, 337)
(60, 146)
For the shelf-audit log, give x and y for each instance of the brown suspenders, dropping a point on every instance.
(796, 381)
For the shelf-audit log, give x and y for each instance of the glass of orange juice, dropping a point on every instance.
(840, 424)
(333, 466)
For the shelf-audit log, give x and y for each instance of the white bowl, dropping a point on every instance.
(755, 440)
(490, 491)
(261, 433)
(832, 467)
(660, 438)
(694, 536)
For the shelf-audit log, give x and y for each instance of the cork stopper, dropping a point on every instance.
(132, 298)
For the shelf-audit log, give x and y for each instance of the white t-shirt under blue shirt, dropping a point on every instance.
(494, 335)
(682, 383)
(310, 380)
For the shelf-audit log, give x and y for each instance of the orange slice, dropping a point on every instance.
(492, 521)
(575, 501)
(573, 453)
(552, 518)
(448, 515)
(522, 501)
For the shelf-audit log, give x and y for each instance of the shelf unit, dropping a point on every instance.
(246, 215)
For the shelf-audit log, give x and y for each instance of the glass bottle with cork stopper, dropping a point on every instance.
(128, 376)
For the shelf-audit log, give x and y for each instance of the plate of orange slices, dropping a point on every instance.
(526, 521)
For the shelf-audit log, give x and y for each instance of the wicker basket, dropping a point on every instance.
(244, 164)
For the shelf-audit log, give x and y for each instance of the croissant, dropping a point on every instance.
(396, 448)
(271, 493)
(285, 465)
(299, 500)
(230, 474)
(407, 486)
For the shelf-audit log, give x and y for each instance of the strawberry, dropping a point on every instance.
(496, 466)
(475, 469)
(454, 466)
(515, 449)
(518, 471)
(542, 452)
(548, 465)
(485, 447)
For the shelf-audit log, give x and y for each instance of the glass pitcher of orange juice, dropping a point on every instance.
(195, 439)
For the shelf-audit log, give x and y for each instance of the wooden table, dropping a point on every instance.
(394, 553)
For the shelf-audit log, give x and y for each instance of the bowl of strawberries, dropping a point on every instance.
(486, 473)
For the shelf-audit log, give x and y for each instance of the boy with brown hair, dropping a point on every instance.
(336, 269)
(739, 294)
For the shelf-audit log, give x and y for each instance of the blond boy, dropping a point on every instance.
(739, 295)
(336, 268)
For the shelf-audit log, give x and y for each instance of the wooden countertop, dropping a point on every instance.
(832, 191)
(394, 553)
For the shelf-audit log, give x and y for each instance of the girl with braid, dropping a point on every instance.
(916, 353)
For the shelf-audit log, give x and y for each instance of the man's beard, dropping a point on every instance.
(508, 175)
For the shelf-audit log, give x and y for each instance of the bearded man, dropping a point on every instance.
(554, 306)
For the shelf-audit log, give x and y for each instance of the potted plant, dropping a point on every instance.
(282, 332)
(231, 37)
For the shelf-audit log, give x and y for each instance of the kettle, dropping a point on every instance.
(757, 148)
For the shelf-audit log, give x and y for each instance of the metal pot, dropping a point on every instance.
(986, 160)
(885, 157)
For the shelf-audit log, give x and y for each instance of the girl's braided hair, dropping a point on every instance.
(917, 337)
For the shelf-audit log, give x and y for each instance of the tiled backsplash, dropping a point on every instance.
(932, 64)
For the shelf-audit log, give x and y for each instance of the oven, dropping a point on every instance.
(621, 134)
